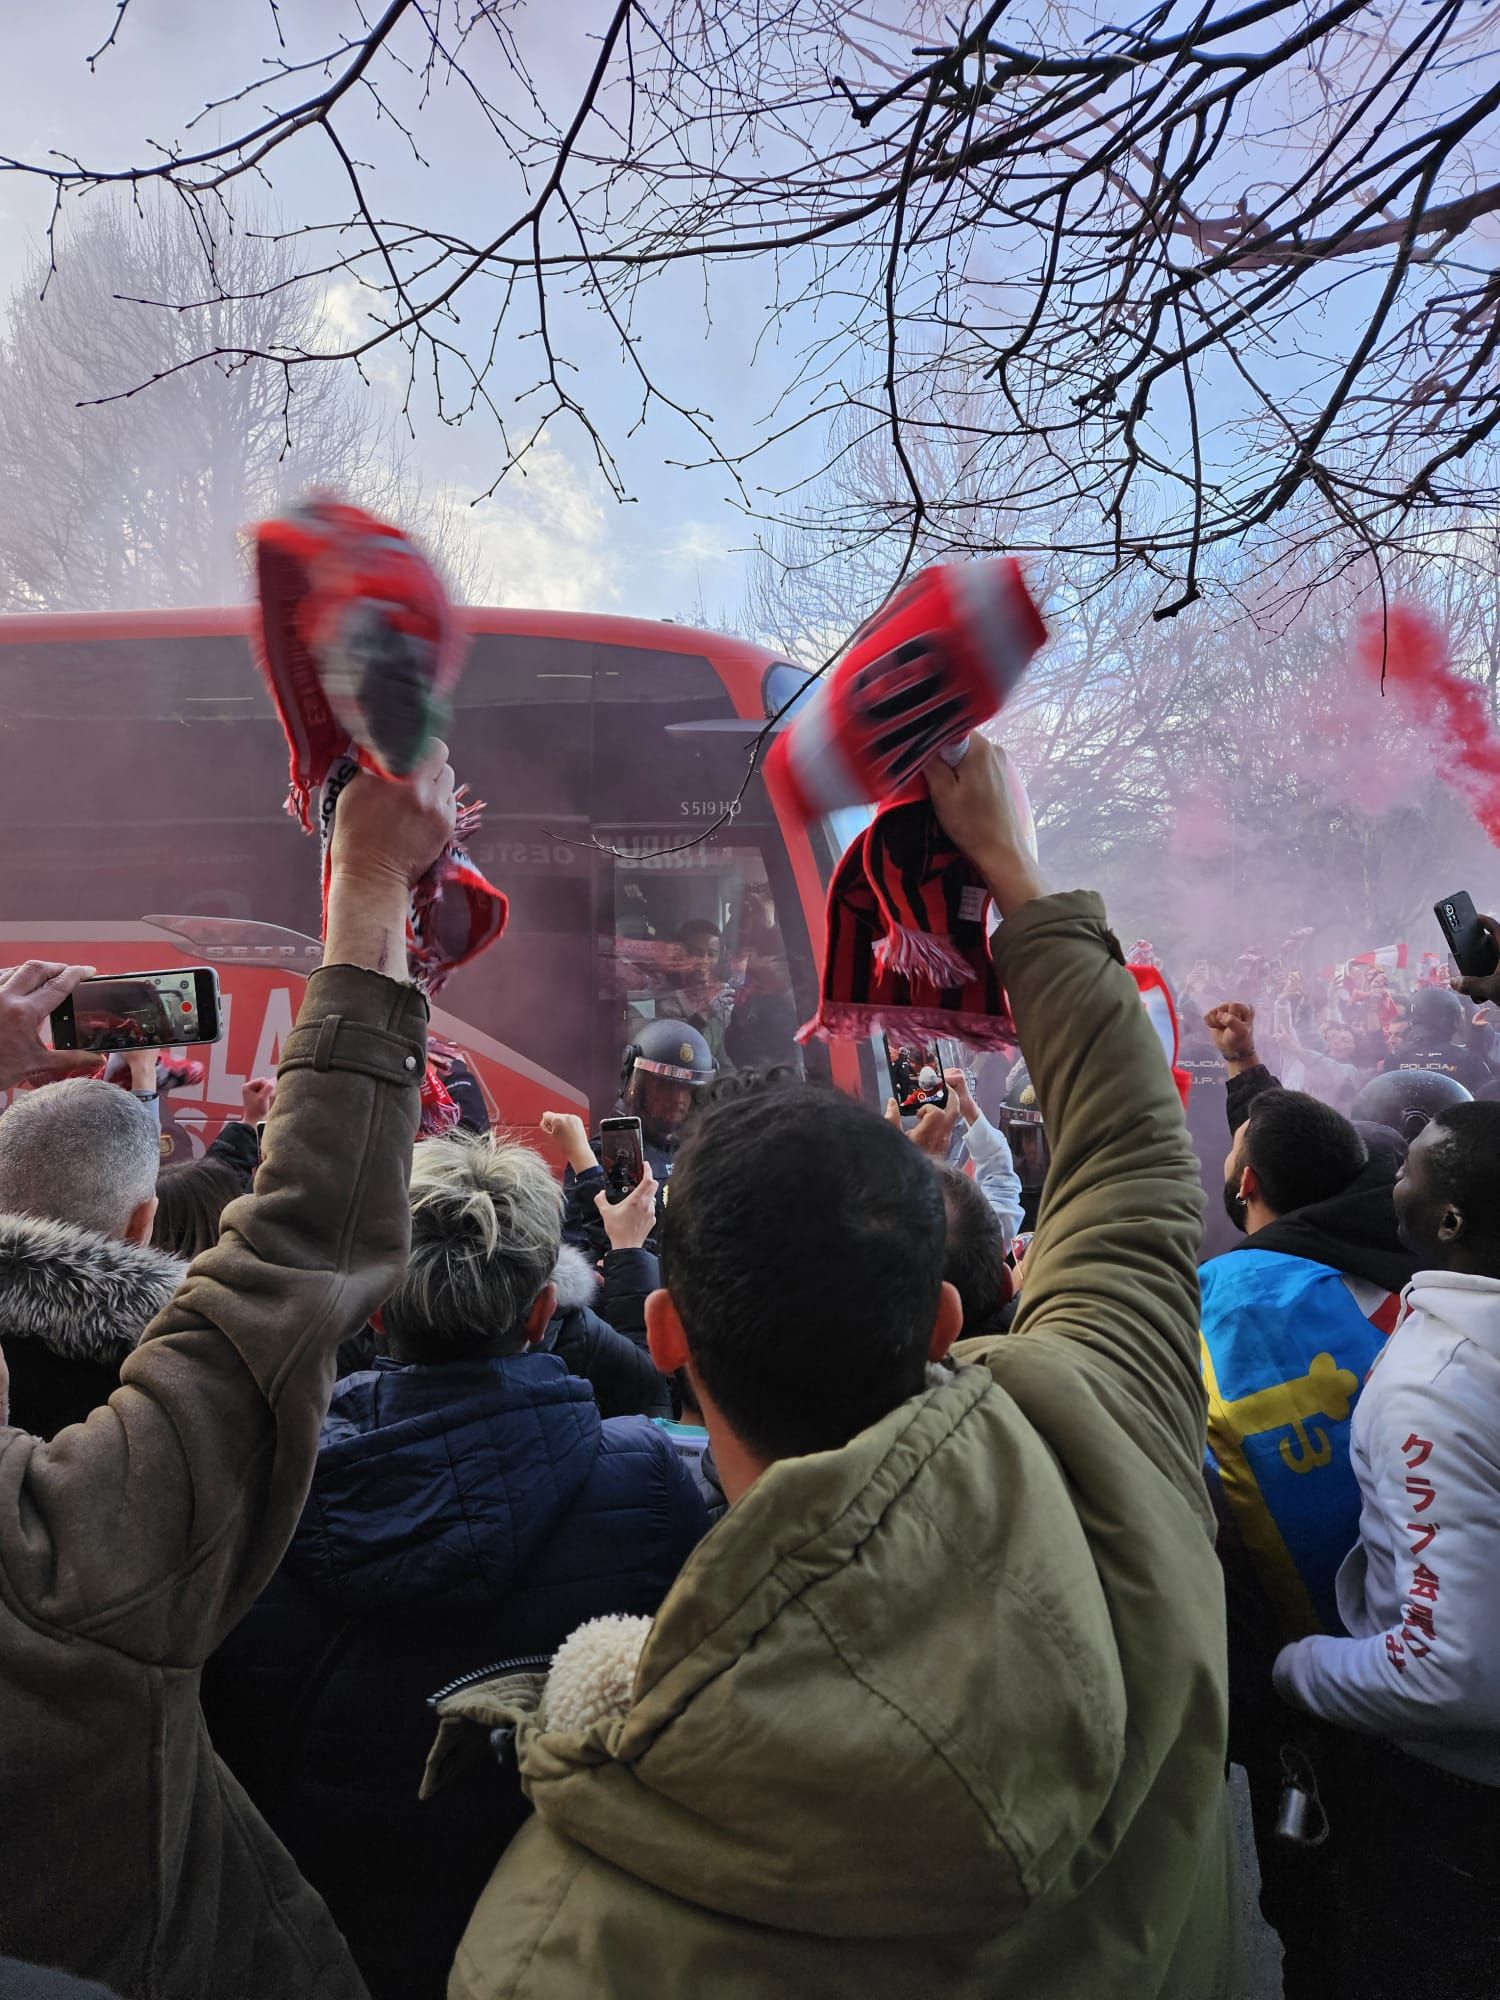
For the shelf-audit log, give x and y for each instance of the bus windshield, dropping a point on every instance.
(605, 767)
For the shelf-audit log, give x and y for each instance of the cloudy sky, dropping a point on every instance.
(556, 536)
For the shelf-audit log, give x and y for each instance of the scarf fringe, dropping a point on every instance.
(842, 1021)
(923, 955)
(299, 805)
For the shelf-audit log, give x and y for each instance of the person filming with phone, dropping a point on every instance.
(661, 1070)
(131, 1545)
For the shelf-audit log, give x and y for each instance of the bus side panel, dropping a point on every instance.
(259, 1007)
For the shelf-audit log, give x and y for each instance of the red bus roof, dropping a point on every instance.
(740, 664)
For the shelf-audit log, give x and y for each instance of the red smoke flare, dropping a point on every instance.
(1452, 711)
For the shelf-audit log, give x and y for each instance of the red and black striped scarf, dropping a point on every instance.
(361, 651)
(907, 942)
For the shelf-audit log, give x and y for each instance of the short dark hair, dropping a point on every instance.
(974, 1263)
(1463, 1165)
(698, 927)
(803, 1248)
(1302, 1150)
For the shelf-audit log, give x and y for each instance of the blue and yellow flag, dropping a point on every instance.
(1286, 1349)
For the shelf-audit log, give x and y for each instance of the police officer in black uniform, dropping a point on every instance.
(659, 1072)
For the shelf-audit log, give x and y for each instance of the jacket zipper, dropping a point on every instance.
(527, 1663)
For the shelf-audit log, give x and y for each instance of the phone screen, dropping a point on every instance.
(916, 1066)
(621, 1156)
(137, 1010)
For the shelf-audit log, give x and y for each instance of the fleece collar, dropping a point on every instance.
(576, 1280)
(86, 1297)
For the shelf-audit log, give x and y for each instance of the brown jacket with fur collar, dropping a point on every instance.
(132, 1543)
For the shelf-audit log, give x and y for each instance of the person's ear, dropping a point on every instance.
(1249, 1188)
(1450, 1225)
(665, 1337)
(138, 1228)
(543, 1306)
(948, 1323)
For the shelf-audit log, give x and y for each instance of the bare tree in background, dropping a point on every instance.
(821, 571)
(1225, 780)
(140, 502)
(1224, 267)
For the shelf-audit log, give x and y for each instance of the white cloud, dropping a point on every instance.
(345, 319)
(546, 536)
(695, 544)
(345, 311)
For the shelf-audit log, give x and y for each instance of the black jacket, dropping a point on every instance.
(1353, 1232)
(599, 1330)
(463, 1088)
(460, 1515)
(72, 1306)
(1447, 1059)
(192, 1195)
(581, 1224)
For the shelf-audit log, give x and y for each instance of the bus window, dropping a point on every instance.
(145, 772)
(696, 937)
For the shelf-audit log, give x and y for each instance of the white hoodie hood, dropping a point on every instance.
(1420, 1594)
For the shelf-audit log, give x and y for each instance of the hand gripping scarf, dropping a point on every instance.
(361, 651)
(907, 943)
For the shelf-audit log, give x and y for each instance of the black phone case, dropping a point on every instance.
(1474, 950)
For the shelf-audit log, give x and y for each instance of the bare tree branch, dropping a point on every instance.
(1220, 267)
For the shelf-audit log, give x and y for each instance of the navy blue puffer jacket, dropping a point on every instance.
(460, 1515)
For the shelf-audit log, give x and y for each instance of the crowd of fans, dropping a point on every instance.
(419, 1575)
(1331, 1032)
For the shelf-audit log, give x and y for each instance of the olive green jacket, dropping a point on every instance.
(943, 1712)
(132, 1543)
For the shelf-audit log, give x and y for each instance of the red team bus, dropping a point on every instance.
(144, 772)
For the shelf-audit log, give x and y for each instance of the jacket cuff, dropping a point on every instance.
(1241, 1091)
(633, 1269)
(237, 1146)
(1284, 1674)
(351, 1019)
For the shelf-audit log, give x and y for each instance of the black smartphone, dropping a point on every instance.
(916, 1070)
(621, 1156)
(140, 1010)
(1474, 950)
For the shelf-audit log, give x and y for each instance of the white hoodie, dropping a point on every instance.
(1420, 1592)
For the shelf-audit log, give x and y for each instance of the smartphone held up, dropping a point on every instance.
(1475, 952)
(141, 1010)
(916, 1069)
(621, 1155)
